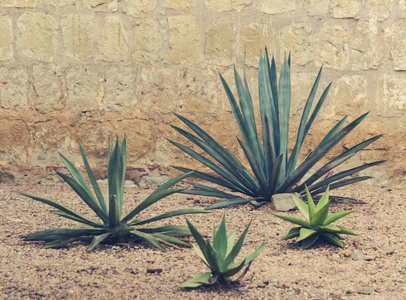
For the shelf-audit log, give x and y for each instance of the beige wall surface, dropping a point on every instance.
(94, 69)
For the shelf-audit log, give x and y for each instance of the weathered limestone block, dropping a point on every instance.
(316, 7)
(220, 44)
(343, 9)
(367, 46)
(255, 38)
(295, 39)
(6, 39)
(81, 86)
(141, 136)
(78, 35)
(302, 84)
(184, 40)
(48, 88)
(332, 46)
(49, 138)
(350, 96)
(381, 9)
(158, 91)
(102, 5)
(277, 6)
(147, 42)
(391, 96)
(197, 91)
(14, 88)
(113, 44)
(181, 4)
(18, 3)
(395, 38)
(140, 6)
(226, 5)
(402, 7)
(120, 88)
(95, 137)
(14, 137)
(59, 3)
(37, 36)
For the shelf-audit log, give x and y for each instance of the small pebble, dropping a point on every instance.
(335, 257)
(356, 255)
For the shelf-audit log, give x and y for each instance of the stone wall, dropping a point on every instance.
(94, 69)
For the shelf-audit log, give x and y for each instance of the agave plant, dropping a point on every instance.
(112, 226)
(219, 257)
(318, 223)
(267, 151)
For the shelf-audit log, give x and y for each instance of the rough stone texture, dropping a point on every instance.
(102, 5)
(37, 36)
(82, 86)
(295, 40)
(346, 8)
(277, 6)
(147, 42)
(220, 44)
(256, 37)
(283, 202)
(141, 6)
(14, 93)
(113, 45)
(157, 88)
(392, 96)
(14, 137)
(226, 5)
(184, 40)
(181, 4)
(350, 96)
(59, 3)
(316, 7)
(381, 10)
(18, 3)
(198, 91)
(78, 35)
(366, 46)
(6, 39)
(120, 88)
(395, 35)
(332, 49)
(48, 94)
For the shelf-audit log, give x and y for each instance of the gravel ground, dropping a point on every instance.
(371, 263)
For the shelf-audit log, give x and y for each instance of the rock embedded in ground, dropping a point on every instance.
(365, 290)
(356, 255)
(283, 202)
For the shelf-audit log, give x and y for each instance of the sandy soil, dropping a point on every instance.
(282, 271)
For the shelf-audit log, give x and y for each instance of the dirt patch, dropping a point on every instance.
(373, 262)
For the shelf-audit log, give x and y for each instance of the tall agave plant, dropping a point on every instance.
(113, 227)
(273, 167)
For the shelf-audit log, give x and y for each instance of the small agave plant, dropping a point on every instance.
(219, 257)
(318, 223)
(112, 227)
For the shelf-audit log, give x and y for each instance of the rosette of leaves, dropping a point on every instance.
(317, 223)
(273, 167)
(219, 257)
(112, 227)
